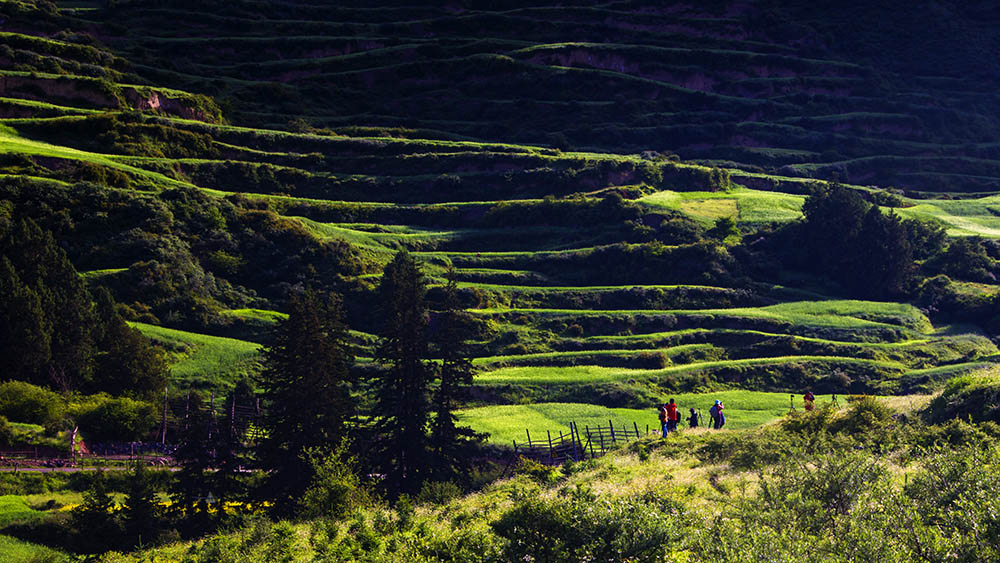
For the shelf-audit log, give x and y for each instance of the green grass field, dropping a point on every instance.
(14, 508)
(202, 361)
(13, 550)
(745, 205)
(744, 410)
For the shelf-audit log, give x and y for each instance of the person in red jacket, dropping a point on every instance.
(672, 415)
(808, 400)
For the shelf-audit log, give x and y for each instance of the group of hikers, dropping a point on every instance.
(670, 416)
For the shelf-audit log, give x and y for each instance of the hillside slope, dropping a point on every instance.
(205, 169)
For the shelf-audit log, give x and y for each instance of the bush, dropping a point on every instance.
(579, 526)
(438, 492)
(336, 489)
(120, 419)
(24, 402)
(539, 472)
(6, 432)
(975, 397)
(865, 414)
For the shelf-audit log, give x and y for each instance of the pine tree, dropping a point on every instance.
(193, 483)
(307, 389)
(65, 303)
(95, 519)
(141, 510)
(231, 451)
(402, 395)
(451, 443)
(25, 335)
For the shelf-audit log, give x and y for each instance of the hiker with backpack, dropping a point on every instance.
(663, 419)
(672, 416)
(718, 419)
(693, 419)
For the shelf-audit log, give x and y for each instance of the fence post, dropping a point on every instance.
(551, 453)
(611, 427)
(572, 436)
(636, 426)
(163, 434)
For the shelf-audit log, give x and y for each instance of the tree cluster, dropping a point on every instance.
(57, 333)
(852, 241)
(403, 428)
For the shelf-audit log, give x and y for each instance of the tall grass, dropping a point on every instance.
(202, 361)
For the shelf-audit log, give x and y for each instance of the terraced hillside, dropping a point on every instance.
(860, 92)
(203, 170)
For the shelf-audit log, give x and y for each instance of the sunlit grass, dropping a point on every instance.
(204, 361)
(743, 409)
(574, 375)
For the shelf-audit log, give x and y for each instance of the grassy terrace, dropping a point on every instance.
(833, 314)
(577, 375)
(752, 207)
(744, 409)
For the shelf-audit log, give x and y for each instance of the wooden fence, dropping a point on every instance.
(577, 444)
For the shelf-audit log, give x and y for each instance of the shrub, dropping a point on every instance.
(438, 492)
(24, 402)
(751, 450)
(581, 527)
(336, 489)
(539, 472)
(120, 419)
(975, 397)
(810, 422)
(865, 414)
(6, 432)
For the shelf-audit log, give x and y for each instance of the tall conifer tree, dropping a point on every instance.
(402, 397)
(450, 443)
(66, 305)
(307, 389)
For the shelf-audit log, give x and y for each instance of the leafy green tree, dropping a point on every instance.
(965, 259)
(7, 436)
(881, 263)
(451, 443)
(402, 396)
(833, 216)
(23, 402)
(306, 385)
